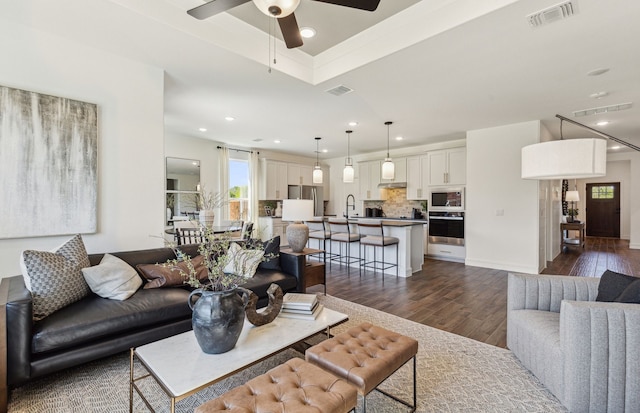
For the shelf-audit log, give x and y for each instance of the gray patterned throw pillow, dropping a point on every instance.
(55, 278)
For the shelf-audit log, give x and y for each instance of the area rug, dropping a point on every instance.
(455, 374)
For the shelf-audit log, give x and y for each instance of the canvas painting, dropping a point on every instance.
(48, 165)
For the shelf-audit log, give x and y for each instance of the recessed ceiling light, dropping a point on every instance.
(599, 95)
(195, 163)
(597, 72)
(353, 123)
(307, 32)
(615, 147)
(276, 141)
(325, 150)
(603, 123)
(202, 129)
(229, 118)
(399, 138)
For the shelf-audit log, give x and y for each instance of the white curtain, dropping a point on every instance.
(223, 184)
(254, 168)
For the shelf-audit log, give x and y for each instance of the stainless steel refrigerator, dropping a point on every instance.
(309, 192)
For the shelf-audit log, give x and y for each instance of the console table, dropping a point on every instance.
(314, 271)
(573, 226)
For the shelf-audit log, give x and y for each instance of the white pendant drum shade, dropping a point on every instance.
(286, 6)
(572, 196)
(388, 169)
(348, 174)
(565, 159)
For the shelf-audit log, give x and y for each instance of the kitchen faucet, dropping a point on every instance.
(353, 205)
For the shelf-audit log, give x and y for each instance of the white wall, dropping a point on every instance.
(634, 194)
(501, 223)
(130, 134)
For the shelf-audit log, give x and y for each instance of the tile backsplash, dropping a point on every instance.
(397, 204)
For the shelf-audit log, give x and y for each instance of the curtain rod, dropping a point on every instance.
(597, 132)
(238, 150)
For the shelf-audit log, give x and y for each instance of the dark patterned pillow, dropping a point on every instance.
(55, 278)
(631, 294)
(162, 275)
(271, 247)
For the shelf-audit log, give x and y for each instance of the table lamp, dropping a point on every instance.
(297, 210)
(573, 197)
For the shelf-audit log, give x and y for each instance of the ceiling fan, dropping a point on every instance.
(280, 9)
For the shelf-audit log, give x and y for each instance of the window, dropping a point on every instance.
(602, 192)
(238, 189)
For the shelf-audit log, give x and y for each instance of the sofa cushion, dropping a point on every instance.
(160, 275)
(537, 344)
(112, 278)
(55, 278)
(612, 284)
(93, 318)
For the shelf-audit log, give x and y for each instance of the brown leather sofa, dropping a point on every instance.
(96, 327)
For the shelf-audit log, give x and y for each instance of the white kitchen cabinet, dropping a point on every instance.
(418, 177)
(369, 178)
(447, 252)
(448, 167)
(299, 174)
(400, 170)
(270, 227)
(274, 180)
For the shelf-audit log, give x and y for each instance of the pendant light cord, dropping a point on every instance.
(348, 160)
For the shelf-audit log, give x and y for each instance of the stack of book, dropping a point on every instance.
(302, 306)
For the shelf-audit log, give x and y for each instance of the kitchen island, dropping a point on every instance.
(410, 247)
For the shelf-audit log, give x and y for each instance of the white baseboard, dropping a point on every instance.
(505, 266)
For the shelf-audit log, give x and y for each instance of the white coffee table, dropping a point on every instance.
(181, 368)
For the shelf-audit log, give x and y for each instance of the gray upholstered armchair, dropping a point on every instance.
(586, 353)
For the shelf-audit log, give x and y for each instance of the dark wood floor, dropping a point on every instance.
(469, 301)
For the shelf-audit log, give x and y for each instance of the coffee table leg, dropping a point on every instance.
(173, 405)
(131, 381)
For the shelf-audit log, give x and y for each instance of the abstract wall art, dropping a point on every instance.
(48, 165)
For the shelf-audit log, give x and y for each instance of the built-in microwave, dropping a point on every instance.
(447, 199)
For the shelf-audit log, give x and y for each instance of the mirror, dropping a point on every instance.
(183, 180)
(183, 174)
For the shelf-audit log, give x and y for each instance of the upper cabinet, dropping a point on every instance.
(400, 169)
(299, 174)
(447, 167)
(273, 180)
(369, 178)
(418, 177)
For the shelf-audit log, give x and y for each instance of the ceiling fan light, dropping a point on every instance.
(317, 175)
(388, 169)
(285, 7)
(348, 174)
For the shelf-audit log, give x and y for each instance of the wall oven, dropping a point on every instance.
(447, 199)
(446, 227)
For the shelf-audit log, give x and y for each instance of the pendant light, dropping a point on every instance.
(317, 171)
(388, 168)
(348, 173)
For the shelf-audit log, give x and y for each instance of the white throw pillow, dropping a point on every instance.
(112, 278)
(243, 262)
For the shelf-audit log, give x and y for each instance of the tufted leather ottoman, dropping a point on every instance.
(295, 386)
(365, 356)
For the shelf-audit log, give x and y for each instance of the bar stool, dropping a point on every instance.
(341, 232)
(318, 231)
(373, 236)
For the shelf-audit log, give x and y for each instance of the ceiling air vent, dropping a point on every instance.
(339, 90)
(551, 14)
(603, 109)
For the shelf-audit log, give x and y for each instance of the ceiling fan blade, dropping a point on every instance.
(290, 31)
(368, 5)
(214, 7)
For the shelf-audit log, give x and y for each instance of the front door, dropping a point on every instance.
(603, 210)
